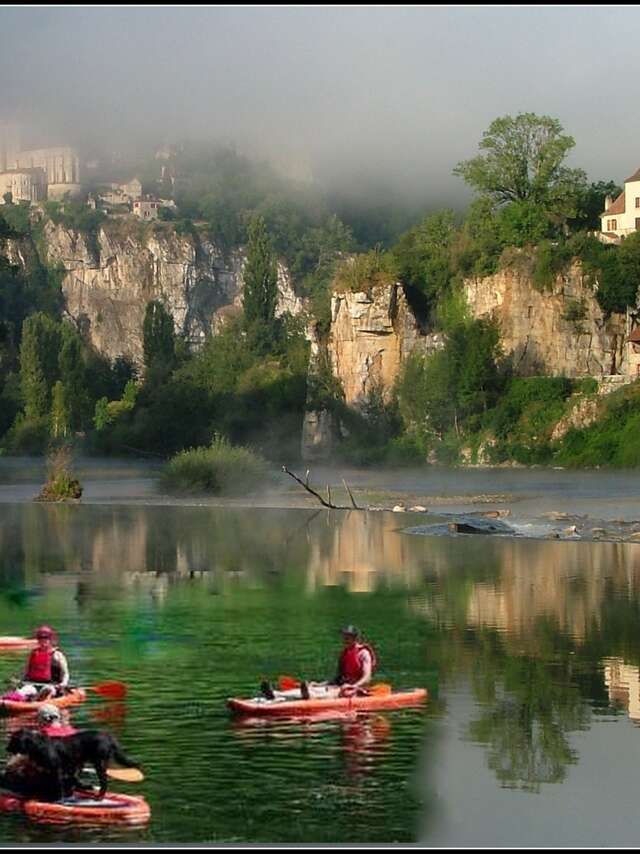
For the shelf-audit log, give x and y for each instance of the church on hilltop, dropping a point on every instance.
(33, 175)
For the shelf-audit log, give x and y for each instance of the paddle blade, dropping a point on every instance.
(113, 690)
(127, 775)
(287, 683)
(380, 688)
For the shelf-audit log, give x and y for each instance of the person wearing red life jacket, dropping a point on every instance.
(356, 665)
(47, 672)
(51, 722)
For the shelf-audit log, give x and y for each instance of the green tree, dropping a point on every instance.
(73, 375)
(159, 341)
(38, 363)
(523, 161)
(591, 204)
(260, 285)
(60, 411)
(424, 255)
(450, 388)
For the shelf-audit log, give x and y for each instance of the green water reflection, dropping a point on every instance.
(192, 605)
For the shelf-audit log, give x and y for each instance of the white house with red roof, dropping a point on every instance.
(622, 215)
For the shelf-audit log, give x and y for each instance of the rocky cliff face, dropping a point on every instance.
(371, 335)
(108, 281)
(537, 329)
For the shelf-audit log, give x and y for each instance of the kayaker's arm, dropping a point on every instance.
(64, 668)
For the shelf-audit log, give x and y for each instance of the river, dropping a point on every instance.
(529, 649)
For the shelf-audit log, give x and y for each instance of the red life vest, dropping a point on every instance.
(41, 666)
(59, 731)
(350, 668)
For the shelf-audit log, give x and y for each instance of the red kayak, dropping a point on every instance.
(262, 707)
(21, 707)
(8, 643)
(82, 808)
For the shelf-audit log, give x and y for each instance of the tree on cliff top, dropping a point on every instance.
(260, 285)
(523, 162)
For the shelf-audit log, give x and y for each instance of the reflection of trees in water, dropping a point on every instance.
(528, 708)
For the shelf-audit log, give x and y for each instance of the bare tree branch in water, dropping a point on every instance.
(305, 485)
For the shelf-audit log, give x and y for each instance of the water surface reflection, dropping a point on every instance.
(529, 649)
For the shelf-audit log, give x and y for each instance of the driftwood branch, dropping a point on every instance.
(350, 494)
(328, 503)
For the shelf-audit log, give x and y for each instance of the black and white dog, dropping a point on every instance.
(63, 759)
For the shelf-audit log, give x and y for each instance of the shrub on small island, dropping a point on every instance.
(220, 469)
(61, 484)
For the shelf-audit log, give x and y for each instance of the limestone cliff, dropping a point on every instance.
(536, 330)
(371, 334)
(108, 279)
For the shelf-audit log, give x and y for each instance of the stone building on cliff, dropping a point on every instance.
(60, 165)
(622, 215)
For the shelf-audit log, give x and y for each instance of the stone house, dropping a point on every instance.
(146, 209)
(622, 215)
(25, 185)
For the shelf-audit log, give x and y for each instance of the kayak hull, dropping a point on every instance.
(9, 643)
(337, 705)
(18, 707)
(83, 808)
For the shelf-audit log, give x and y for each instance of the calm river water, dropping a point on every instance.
(530, 651)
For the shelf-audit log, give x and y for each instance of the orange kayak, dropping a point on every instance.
(82, 808)
(21, 707)
(341, 705)
(8, 643)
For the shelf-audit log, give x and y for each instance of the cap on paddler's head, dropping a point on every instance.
(45, 632)
(350, 630)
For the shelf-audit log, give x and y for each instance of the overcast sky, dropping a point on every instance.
(403, 93)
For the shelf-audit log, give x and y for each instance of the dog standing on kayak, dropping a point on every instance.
(356, 666)
(63, 758)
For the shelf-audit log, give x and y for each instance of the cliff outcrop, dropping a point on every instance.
(108, 278)
(561, 331)
(371, 334)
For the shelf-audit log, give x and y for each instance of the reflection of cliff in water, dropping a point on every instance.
(111, 543)
(510, 585)
(359, 551)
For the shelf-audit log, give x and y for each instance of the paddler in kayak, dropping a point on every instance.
(355, 669)
(47, 672)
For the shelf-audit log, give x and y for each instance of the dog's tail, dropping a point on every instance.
(122, 759)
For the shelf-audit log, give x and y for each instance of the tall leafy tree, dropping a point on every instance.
(260, 283)
(38, 363)
(60, 411)
(159, 340)
(523, 161)
(73, 376)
